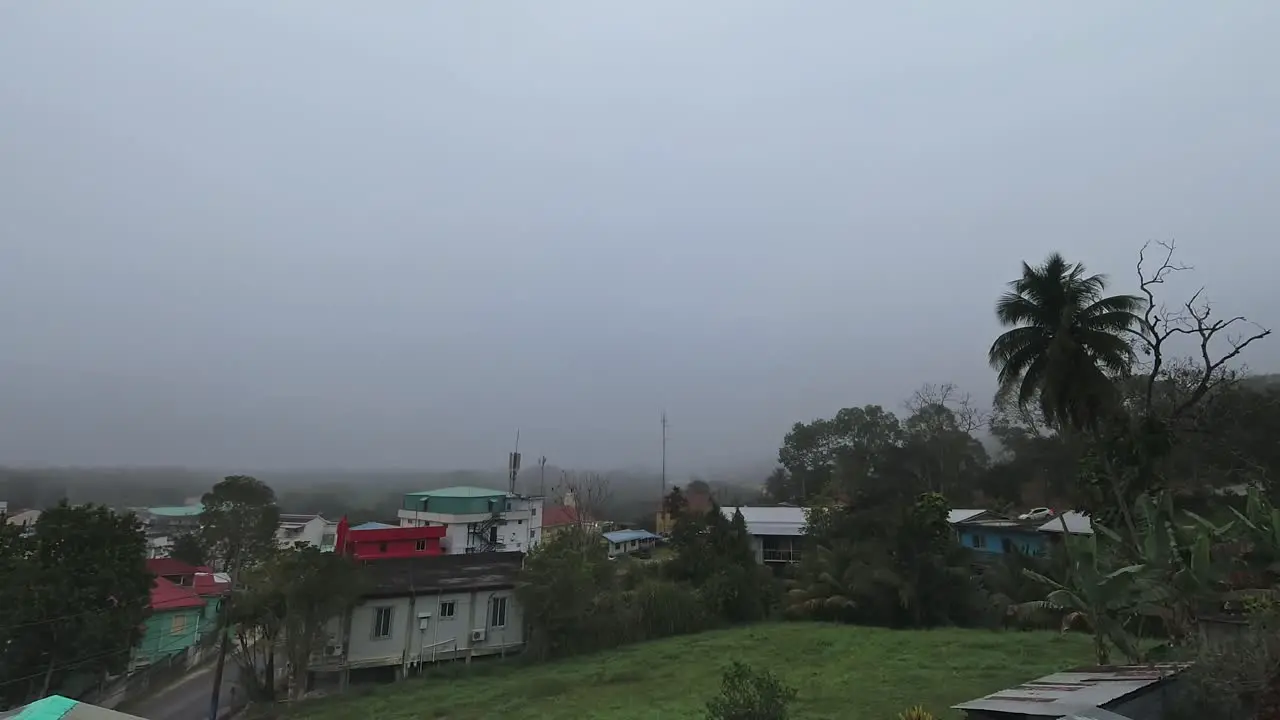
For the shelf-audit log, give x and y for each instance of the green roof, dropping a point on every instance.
(462, 491)
(177, 510)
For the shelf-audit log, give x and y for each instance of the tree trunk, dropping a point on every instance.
(48, 678)
(269, 672)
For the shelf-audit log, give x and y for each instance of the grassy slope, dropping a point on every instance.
(840, 671)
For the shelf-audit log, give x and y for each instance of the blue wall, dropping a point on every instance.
(993, 540)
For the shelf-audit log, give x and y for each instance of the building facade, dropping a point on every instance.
(174, 625)
(314, 530)
(476, 520)
(163, 524)
(625, 542)
(384, 542)
(426, 609)
(777, 533)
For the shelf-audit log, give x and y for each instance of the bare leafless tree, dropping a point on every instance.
(1215, 342)
(968, 416)
(587, 492)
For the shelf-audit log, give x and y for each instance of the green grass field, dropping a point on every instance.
(841, 671)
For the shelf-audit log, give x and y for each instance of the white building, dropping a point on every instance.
(478, 519)
(314, 530)
(427, 609)
(776, 532)
(164, 524)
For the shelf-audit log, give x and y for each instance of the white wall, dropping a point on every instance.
(312, 532)
(415, 638)
(520, 529)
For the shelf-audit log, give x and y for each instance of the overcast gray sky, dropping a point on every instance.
(317, 233)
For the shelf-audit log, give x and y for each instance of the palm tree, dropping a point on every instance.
(1066, 343)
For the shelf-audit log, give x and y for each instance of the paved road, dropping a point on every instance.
(188, 698)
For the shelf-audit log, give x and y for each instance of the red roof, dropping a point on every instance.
(167, 596)
(169, 566)
(562, 515)
(208, 584)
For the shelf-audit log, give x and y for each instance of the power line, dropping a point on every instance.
(157, 606)
(84, 661)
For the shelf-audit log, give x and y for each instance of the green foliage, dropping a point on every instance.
(576, 600)
(1066, 343)
(316, 587)
(239, 522)
(714, 555)
(188, 548)
(76, 591)
(288, 600)
(884, 564)
(747, 694)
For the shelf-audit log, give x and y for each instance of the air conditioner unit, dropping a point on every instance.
(332, 650)
(477, 636)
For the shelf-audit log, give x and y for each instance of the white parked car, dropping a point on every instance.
(1036, 514)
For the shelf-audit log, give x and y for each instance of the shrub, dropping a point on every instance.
(749, 695)
(915, 713)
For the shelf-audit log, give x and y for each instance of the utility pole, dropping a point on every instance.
(224, 626)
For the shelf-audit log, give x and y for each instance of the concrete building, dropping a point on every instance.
(777, 533)
(313, 529)
(423, 610)
(382, 542)
(163, 524)
(1133, 692)
(476, 519)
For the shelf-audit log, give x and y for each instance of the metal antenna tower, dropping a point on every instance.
(664, 456)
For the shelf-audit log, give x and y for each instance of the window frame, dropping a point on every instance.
(377, 616)
(452, 609)
(494, 605)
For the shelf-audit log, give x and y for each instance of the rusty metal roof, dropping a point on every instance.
(1066, 692)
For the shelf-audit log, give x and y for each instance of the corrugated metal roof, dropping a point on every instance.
(1053, 696)
(781, 520)
(960, 515)
(1077, 523)
(621, 536)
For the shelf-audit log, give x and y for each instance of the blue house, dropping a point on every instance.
(987, 532)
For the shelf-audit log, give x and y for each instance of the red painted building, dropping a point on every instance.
(395, 542)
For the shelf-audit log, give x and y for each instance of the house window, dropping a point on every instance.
(1006, 545)
(381, 623)
(420, 546)
(978, 541)
(446, 609)
(498, 613)
(533, 512)
(179, 624)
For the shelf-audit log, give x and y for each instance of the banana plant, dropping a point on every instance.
(1094, 596)
(1181, 571)
(1260, 531)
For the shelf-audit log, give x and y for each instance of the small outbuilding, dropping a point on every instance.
(1131, 692)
